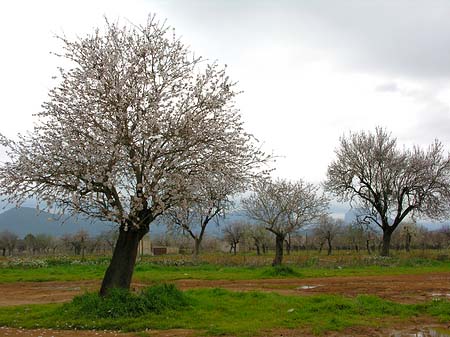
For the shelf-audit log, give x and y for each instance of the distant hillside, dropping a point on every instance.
(26, 220)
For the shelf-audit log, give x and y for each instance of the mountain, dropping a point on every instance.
(25, 220)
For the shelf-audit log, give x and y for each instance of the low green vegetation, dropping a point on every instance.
(216, 312)
(152, 269)
(121, 303)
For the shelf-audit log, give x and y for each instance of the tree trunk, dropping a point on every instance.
(288, 245)
(321, 246)
(235, 247)
(408, 242)
(120, 270)
(387, 233)
(368, 247)
(279, 242)
(258, 250)
(329, 246)
(196, 253)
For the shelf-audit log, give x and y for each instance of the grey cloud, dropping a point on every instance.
(387, 87)
(406, 38)
(403, 37)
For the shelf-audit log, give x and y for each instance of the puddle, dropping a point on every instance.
(308, 287)
(429, 332)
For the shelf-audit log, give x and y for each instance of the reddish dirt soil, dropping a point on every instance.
(399, 288)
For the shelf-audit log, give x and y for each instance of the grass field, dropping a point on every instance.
(215, 311)
(216, 267)
(221, 312)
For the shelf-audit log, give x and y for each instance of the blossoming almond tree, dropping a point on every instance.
(388, 183)
(135, 121)
(282, 207)
(207, 201)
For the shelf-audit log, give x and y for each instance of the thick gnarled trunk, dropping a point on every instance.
(279, 242)
(387, 234)
(120, 270)
(197, 248)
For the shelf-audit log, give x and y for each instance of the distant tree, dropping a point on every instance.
(110, 238)
(366, 228)
(44, 242)
(283, 207)
(30, 243)
(8, 241)
(207, 201)
(233, 233)
(260, 237)
(77, 242)
(135, 120)
(405, 234)
(388, 182)
(444, 232)
(327, 229)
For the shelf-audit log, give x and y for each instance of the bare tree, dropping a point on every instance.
(207, 201)
(43, 242)
(260, 237)
(283, 207)
(233, 233)
(361, 234)
(327, 229)
(389, 183)
(134, 122)
(8, 241)
(110, 238)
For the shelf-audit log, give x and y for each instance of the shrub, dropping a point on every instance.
(280, 270)
(123, 303)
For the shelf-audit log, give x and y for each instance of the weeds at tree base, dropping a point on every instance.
(124, 303)
(280, 271)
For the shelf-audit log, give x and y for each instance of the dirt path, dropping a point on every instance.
(12, 332)
(399, 288)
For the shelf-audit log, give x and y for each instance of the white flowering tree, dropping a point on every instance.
(135, 121)
(388, 184)
(282, 207)
(207, 202)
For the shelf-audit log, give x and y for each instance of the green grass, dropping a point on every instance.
(221, 312)
(154, 273)
(157, 269)
(122, 303)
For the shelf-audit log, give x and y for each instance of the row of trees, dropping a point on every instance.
(78, 243)
(138, 128)
(328, 234)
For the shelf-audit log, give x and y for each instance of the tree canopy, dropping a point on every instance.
(389, 183)
(135, 121)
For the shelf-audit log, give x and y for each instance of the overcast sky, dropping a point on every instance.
(310, 71)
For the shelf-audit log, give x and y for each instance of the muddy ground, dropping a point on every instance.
(399, 288)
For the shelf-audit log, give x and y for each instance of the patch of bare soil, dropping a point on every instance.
(399, 288)
(43, 292)
(13, 332)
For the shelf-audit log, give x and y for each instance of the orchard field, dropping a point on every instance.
(231, 295)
